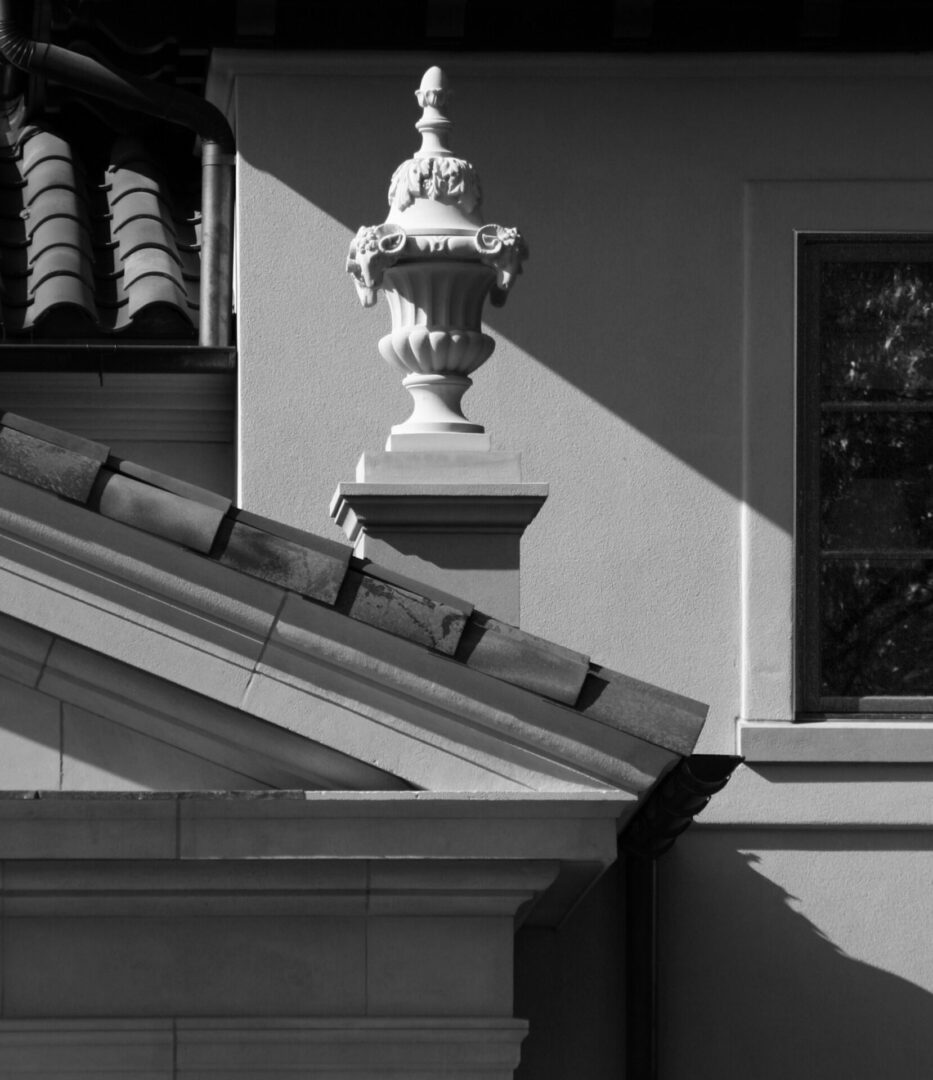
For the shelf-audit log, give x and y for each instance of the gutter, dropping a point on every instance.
(87, 75)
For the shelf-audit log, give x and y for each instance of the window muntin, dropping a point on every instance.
(865, 474)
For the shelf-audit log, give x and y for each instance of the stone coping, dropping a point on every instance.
(191, 826)
(318, 573)
(262, 1047)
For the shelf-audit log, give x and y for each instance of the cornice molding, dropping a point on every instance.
(303, 666)
(227, 65)
(456, 508)
(271, 1047)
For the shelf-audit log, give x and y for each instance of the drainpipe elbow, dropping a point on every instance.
(15, 48)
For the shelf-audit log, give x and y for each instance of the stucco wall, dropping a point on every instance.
(51, 745)
(797, 953)
(619, 367)
(645, 369)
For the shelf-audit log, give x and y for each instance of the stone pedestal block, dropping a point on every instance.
(454, 520)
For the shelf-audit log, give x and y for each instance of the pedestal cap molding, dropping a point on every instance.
(480, 508)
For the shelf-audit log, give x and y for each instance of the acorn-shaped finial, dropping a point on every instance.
(435, 189)
(432, 96)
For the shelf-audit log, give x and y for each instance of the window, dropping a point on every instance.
(865, 474)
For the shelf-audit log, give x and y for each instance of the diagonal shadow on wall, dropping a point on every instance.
(633, 294)
(751, 987)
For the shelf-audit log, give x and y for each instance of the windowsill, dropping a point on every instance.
(847, 741)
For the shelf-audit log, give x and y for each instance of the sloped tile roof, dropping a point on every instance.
(323, 572)
(93, 256)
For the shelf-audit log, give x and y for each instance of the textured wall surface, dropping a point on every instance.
(645, 333)
(797, 953)
(619, 366)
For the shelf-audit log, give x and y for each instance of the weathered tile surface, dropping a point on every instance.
(247, 547)
(641, 709)
(384, 573)
(312, 566)
(171, 483)
(53, 468)
(85, 447)
(515, 656)
(400, 612)
(162, 513)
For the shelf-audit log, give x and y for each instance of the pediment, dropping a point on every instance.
(74, 719)
(161, 613)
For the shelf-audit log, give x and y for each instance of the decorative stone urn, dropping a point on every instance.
(437, 262)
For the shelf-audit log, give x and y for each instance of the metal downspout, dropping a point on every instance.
(168, 103)
(668, 811)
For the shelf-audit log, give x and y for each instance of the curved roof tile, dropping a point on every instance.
(319, 572)
(96, 257)
(63, 260)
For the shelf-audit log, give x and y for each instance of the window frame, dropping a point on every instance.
(813, 248)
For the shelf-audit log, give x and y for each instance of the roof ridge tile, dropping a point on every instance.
(402, 612)
(324, 572)
(402, 581)
(505, 651)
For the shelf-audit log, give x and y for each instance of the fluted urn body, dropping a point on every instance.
(437, 339)
(437, 263)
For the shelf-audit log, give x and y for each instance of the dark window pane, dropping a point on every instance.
(876, 480)
(876, 331)
(876, 620)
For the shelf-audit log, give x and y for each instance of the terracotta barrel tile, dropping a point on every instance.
(55, 202)
(123, 182)
(63, 261)
(151, 260)
(402, 613)
(160, 512)
(142, 231)
(315, 568)
(383, 573)
(59, 232)
(53, 468)
(58, 290)
(86, 447)
(515, 656)
(38, 145)
(171, 483)
(641, 709)
(50, 173)
(155, 289)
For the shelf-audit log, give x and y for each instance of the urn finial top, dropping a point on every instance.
(437, 262)
(432, 95)
(434, 189)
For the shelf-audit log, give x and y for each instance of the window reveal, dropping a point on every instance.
(865, 474)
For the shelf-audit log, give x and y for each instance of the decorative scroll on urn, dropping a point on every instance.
(437, 262)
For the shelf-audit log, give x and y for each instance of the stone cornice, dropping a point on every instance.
(229, 64)
(134, 854)
(306, 667)
(254, 1046)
